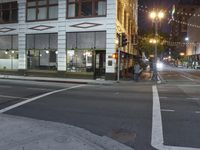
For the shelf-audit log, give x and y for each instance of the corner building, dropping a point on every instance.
(73, 38)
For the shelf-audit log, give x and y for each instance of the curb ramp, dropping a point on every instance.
(20, 133)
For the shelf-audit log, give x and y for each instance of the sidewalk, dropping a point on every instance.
(144, 77)
(18, 133)
(61, 80)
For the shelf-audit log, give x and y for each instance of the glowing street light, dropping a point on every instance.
(161, 15)
(156, 16)
(186, 38)
(153, 41)
(182, 54)
(153, 15)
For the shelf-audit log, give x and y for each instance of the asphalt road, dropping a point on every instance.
(180, 107)
(121, 111)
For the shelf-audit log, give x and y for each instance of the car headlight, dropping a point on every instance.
(159, 65)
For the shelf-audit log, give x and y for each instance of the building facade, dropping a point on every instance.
(193, 46)
(67, 36)
(184, 9)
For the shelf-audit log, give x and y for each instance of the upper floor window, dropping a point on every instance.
(8, 12)
(86, 8)
(41, 10)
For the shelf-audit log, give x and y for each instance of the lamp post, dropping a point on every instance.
(156, 17)
(195, 53)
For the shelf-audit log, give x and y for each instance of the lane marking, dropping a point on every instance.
(187, 78)
(39, 89)
(168, 110)
(38, 97)
(190, 85)
(5, 86)
(13, 97)
(164, 97)
(197, 112)
(194, 98)
(157, 130)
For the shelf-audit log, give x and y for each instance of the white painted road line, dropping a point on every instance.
(38, 97)
(168, 110)
(197, 112)
(187, 78)
(194, 98)
(189, 85)
(43, 89)
(12, 97)
(164, 97)
(157, 131)
(5, 86)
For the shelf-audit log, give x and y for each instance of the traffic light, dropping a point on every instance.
(124, 40)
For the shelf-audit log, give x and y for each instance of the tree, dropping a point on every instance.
(149, 48)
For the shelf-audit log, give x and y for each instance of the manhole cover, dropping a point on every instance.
(123, 135)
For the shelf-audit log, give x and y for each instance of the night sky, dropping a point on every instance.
(143, 18)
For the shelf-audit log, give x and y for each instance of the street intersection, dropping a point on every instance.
(141, 115)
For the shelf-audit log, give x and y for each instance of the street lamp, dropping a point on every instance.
(195, 53)
(153, 41)
(156, 16)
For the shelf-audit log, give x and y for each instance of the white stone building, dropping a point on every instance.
(67, 36)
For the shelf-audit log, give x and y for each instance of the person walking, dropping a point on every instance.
(136, 71)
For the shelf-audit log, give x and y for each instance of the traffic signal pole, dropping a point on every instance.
(118, 65)
(122, 43)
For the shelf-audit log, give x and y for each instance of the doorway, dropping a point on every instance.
(100, 61)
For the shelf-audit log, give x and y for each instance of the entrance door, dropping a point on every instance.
(100, 61)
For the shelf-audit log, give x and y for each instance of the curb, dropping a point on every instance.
(57, 80)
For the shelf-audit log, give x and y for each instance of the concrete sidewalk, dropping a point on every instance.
(61, 80)
(145, 76)
(18, 133)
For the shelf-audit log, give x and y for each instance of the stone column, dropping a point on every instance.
(22, 65)
(62, 36)
(110, 40)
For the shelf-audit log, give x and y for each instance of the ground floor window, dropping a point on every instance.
(83, 52)
(42, 59)
(42, 51)
(9, 52)
(79, 60)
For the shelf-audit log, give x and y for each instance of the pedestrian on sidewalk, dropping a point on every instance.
(137, 70)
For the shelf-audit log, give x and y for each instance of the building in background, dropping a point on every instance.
(184, 10)
(72, 38)
(193, 46)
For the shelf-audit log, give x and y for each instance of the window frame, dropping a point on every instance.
(37, 6)
(10, 9)
(79, 3)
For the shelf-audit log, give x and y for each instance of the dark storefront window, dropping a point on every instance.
(9, 52)
(42, 10)
(86, 8)
(42, 51)
(8, 12)
(81, 48)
